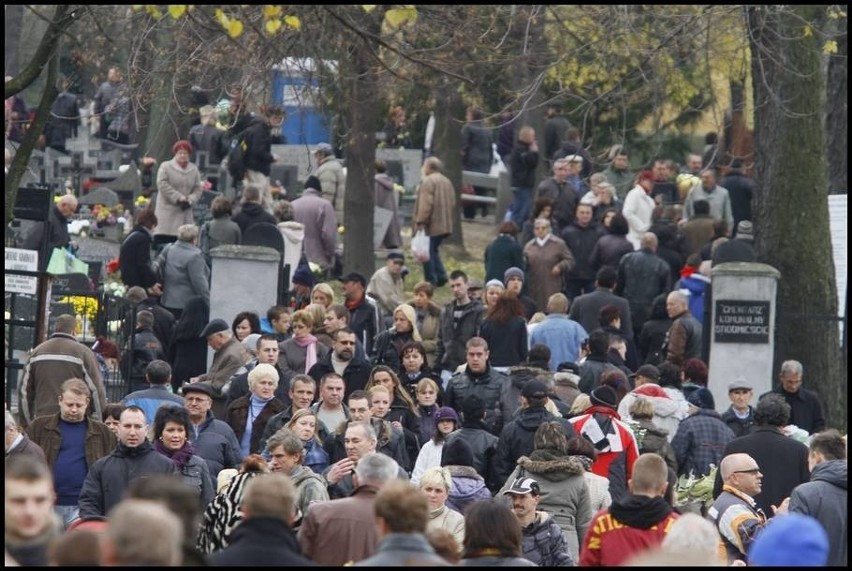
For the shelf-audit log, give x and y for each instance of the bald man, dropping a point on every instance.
(57, 223)
(683, 339)
(734, 512)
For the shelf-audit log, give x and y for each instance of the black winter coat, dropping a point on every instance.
(484, 447)
(581, 241)
(782, 460)
(258, 139)
(516, 439)
(252, 213)
(355, 376)
(609, 250)
(261, 542)
(135, 259)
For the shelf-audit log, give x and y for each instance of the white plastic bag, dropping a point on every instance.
(420, 246)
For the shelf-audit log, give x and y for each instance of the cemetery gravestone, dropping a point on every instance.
(201, 209)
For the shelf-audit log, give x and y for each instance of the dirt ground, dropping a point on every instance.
(470, 257)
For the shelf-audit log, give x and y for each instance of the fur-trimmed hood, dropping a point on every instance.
(552, 467)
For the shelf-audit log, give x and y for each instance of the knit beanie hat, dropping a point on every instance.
(456, 452)
(513, 272)
(604, 396)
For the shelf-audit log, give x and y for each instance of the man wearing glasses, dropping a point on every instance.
(735, 512)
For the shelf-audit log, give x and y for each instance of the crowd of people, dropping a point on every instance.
(542, 417)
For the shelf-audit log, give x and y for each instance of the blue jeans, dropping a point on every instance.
(521, 206)
(433, 270)
(67, 514)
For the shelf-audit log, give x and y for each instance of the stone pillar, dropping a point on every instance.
(504, 197)
(742, 332)
(244, 278)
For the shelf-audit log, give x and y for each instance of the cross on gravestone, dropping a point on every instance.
(109, 160)
(78, 145)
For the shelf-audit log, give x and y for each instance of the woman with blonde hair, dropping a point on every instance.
(317, 312)
(248, 415)
(305, 425)
(303, 349)
(387, 349)
(323, 295)
(402, 411)
(493, 290)
(427, 393)
(435, 483)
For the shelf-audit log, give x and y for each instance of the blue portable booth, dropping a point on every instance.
(295, 87)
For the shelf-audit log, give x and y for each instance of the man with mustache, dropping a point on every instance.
(343, 361)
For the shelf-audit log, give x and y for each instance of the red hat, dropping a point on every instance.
(182, 145)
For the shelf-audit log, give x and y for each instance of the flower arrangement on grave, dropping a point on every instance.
(141, 203)
(106, 216)
(112, 283)
(84, 306)
(86, 311)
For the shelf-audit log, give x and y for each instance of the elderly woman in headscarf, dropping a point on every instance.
(178, 188)
(387, 349)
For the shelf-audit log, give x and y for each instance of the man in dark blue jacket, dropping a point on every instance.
(134, 457)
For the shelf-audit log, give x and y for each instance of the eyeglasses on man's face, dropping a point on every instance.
(752, 471)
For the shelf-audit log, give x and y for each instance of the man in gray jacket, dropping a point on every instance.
(183, 271)
(824, 497)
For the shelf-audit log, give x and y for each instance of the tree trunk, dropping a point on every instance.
(449, 115)
(360, 84)
(157, 125)
(837, 114)
(46, 54)
(792, 230)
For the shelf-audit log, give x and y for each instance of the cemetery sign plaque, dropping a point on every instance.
(739, 321)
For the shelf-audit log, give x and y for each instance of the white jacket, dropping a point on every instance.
(429, 457)
(638, 208)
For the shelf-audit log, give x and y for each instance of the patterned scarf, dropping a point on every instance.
(178, 457)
